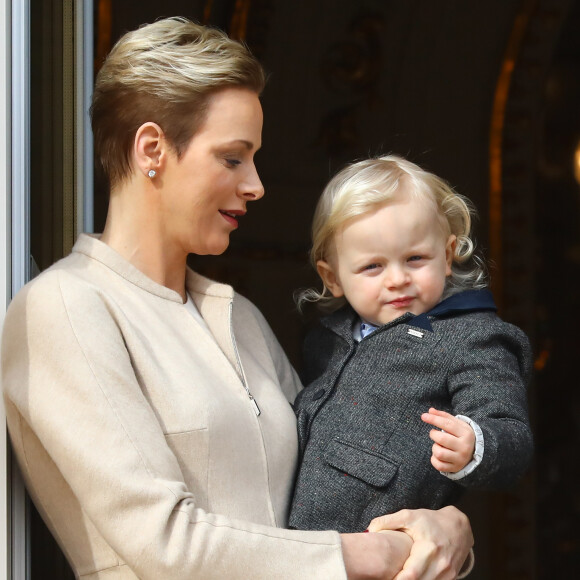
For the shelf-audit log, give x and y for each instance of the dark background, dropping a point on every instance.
(486, 95)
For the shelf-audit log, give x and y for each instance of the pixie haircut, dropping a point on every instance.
(163, 72)
(363, 187)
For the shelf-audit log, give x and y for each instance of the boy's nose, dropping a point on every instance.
(396, 276)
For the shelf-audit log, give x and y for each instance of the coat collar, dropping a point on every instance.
(91, 246)
(213, 300)
(466, 301)
(343, 319)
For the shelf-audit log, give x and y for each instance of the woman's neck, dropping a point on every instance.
(133, 231)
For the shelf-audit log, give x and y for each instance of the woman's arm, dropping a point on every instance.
(442, 541)
(379, 555)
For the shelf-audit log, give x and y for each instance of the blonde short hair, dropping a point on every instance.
(362, 187)
(163, 72)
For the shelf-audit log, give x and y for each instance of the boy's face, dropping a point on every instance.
(390, 261)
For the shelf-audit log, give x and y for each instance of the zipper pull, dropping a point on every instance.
(255, 405)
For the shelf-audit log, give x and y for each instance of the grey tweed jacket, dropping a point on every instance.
(365, 451)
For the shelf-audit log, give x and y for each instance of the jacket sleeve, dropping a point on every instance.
(488, 383)
(69, 381)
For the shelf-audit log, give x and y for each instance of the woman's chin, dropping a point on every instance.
(213, 249)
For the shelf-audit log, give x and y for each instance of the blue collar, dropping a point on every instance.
(466, 301)
(341, 321)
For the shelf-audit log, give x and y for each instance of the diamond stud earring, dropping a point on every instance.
(152, 173)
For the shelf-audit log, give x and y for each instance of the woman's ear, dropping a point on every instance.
(329, 278)
(450, 252)
(149, 149)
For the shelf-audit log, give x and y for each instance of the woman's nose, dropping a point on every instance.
(251, 189)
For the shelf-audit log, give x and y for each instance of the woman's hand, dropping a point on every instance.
(442, 540)
(375, 556)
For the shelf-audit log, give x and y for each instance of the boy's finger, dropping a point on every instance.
(434, 411)
(444, 439)
(448, 423)
(443, 465)
(443, 455)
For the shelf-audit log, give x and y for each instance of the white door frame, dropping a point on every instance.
(20, 246)
(5, 250)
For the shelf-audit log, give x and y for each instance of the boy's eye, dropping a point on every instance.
(371, 267)
(415, 258)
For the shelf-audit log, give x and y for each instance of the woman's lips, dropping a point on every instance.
(231, 216)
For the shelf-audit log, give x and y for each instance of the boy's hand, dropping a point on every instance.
(453, 446)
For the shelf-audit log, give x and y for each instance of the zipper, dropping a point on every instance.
(239, 361)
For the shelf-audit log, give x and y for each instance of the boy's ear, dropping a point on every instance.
(450, 252)
(329, 278)
(149, 149)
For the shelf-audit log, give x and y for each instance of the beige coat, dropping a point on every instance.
(134, 428)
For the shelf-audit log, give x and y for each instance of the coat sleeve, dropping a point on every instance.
(68, 380)
(488, 383)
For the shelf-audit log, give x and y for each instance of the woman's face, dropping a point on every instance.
(206, 191)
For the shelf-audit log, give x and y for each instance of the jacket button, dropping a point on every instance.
(318, 394)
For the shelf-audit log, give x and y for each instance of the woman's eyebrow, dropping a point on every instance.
(247, 144)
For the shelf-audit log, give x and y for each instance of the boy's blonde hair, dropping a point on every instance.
(362, 187)
(163, 72)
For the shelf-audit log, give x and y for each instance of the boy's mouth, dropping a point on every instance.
(401, 302)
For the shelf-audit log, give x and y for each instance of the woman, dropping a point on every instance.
(142, 399)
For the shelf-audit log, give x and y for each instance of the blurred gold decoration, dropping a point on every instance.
(496, 141)
(239, 23)
(577, 163)
(104, 32)
(207, 11)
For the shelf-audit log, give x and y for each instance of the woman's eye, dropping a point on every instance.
(231, 162)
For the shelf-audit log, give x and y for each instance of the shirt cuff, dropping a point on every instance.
(477, 454)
